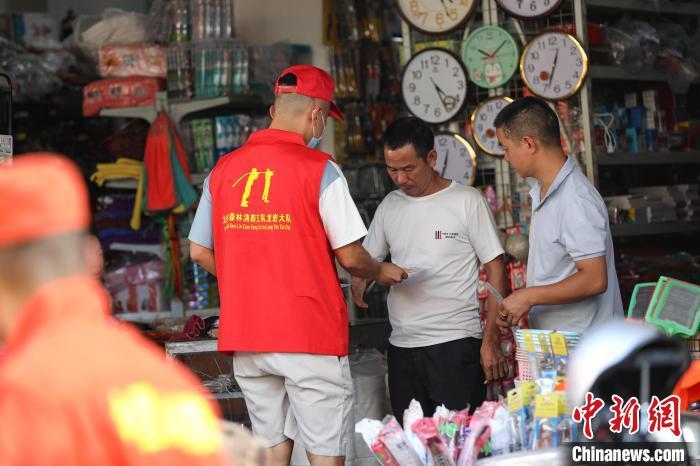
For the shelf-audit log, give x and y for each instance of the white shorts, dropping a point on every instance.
(290, 394)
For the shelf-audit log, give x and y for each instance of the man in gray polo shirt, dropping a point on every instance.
(572, 284)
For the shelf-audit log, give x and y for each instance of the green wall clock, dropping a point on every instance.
(491, 56)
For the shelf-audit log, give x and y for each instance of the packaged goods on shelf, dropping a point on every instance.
(119, 93)
(121, 61)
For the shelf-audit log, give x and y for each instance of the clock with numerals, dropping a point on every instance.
(554, 65)
(529, 9)
(456, 158)
(491, 56)
(435, 16)
(482, 125)
(434, 85)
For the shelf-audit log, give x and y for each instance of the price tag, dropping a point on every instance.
(528, 390)
(529, 343)
(546, 406)
(544, 343)
(515, 400)
(558, 344)
(562, 405)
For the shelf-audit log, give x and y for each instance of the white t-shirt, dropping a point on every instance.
(445, 235)
(341, 220)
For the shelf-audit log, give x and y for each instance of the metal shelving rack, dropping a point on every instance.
(602, 73)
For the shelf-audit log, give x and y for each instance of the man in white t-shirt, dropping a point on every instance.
(439, 231)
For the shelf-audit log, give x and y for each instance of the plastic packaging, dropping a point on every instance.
(413, 413)
(427, 431)
(500, 433)
(120, 61)
(392, 440)
(120, 92)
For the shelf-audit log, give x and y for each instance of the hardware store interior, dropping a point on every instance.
(147, 97)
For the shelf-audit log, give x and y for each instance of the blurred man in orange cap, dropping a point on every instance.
(75, 387)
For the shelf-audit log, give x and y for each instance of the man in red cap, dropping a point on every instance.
(76, 387)
(274, 216)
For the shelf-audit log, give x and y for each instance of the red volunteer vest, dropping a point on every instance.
(78, 388)
(278, 284)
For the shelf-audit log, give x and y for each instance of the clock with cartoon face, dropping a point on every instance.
(482, 125)
(456, 158)
(491, 56)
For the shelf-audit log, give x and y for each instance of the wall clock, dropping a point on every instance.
(434, 85)
(456, 158)
(529, 9)
(435, 16)
(553, 65)
(482, 125)
(491, 56)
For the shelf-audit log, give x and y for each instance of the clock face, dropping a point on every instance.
(456, 159)
(435, 16)
(554, 65)
(491, 56)
(529, 9)
(434, 85)
(482, 125)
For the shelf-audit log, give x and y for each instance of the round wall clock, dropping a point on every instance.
(434, 85)
(482, 125)
(529, 9)
(553, 65)
(435, 16)
(491, 56)
(456, 158)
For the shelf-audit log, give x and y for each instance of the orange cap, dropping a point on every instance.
(41, 194)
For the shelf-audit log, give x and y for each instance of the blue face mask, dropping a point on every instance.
(315, 141)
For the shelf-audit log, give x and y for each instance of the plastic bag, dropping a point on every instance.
(114, 27)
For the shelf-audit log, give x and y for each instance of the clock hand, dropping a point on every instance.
(440, 92)
(554, 66)
(499, 48)
(486, 55)
(444, 167)
(445, 7)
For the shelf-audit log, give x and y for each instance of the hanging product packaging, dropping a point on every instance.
(427, 431)
(410, 416)
(518, 420)
(546, 421)
(393, 445)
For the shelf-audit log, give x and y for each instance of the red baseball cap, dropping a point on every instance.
(41, 195)
(311, 82)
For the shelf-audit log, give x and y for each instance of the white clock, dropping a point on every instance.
(456, 158)
(529, 9)
(434, 85)
(554, 65)
(482, 125)
(435, 16)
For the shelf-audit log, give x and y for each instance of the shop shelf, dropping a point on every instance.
(145, 112)
(226, 396)
(646, 229)
(189, 347)
(178, 110)
(617, 73)
(197, 180)
(649, 158)
(661, 6)
(143, 317)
